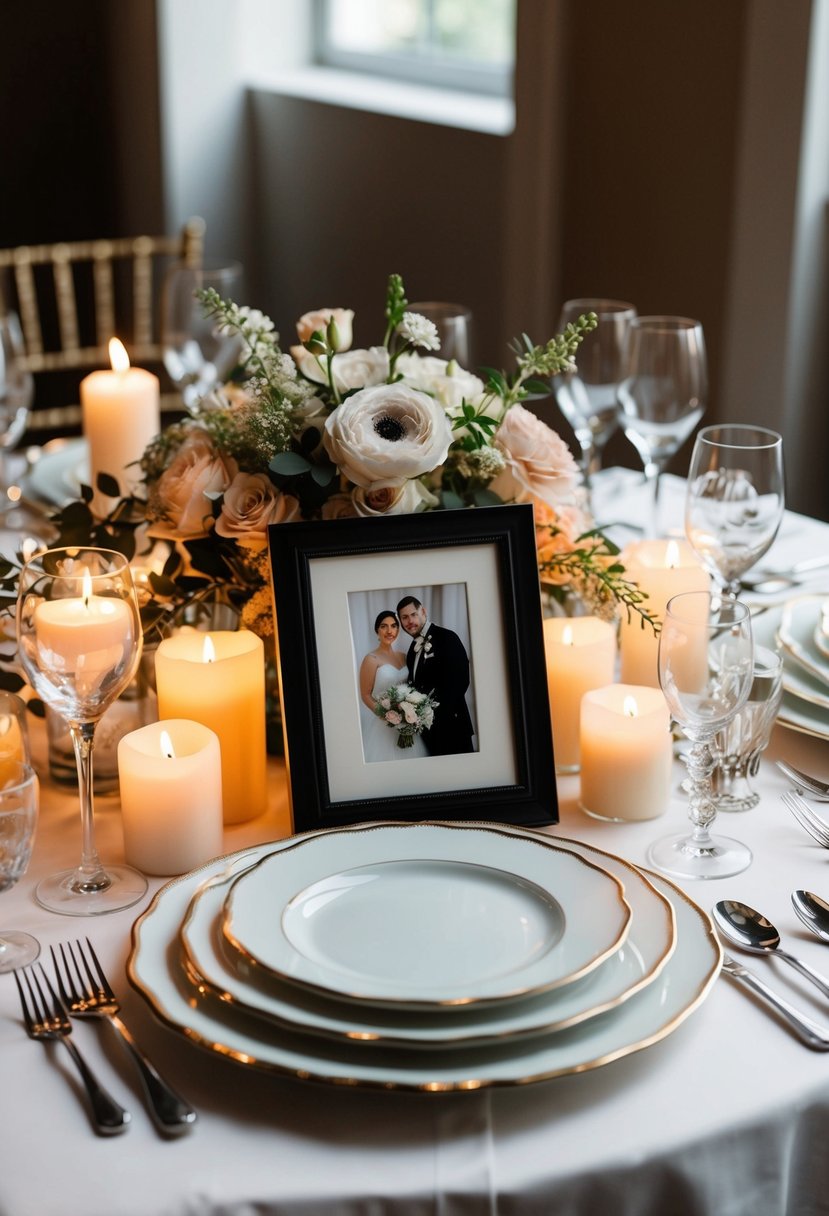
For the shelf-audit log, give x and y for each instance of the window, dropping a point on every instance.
(464, 44)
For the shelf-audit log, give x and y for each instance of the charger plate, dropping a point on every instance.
(797, 634)
(155, 972)
(796, 712)
(649, 945)
(425, 915)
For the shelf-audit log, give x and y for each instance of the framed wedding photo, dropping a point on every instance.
(412, 672)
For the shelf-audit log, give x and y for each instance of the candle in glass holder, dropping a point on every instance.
(84, 636)
(170, 775)
(218, 679)
(581, 654)
(626, 752)
(662, 569)
(121, 415)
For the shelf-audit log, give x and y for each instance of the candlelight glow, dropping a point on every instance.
(629, 708)
(567, 635)
(6, 721)
(166, 745)
(118, 356)
(86, 592)
(209, 652)
(672, 556)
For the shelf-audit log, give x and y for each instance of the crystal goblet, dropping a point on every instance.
(739, 745)
(198, 354)
(705, 672)
(454, 325)
(79, 641)
(735, 499)
(18, 816)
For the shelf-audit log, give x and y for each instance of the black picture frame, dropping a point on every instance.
(510, 778)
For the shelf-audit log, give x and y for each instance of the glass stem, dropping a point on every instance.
(702, 805)
(652, 472)
(90, 875)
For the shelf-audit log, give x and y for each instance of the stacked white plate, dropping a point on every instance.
(427, 956)
(800, 630)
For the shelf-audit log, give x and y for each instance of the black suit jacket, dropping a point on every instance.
(443, 671)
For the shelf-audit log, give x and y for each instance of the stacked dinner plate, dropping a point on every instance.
(800, 630)
(425, 956)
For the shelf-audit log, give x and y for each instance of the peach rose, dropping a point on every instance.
(539, 462)
(570, 522)
(179, 506)
(339, 506)
(310, 322)
(250, 504)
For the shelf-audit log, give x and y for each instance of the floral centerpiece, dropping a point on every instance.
(328, 431)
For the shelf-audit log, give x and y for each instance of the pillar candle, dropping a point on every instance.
(218, 679)
(662, 569)
(626, 752)
(121, 415)
(170, 775)
(581, 654)
(85, 637)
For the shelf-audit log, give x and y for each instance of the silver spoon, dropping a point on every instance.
(813, 911)
(750, 930)
(769, 581)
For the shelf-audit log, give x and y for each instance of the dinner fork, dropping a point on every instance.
(818, 789)
(808, 818)
(86, 993)
(46, 1018)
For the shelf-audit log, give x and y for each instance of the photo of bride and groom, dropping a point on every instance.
(415, 680)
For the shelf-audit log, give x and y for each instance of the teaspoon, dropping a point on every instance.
(813, 911)
(770, 581)
(750, 930)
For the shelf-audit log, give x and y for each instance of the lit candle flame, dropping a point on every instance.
(86, 592)
(630, 709)
(118, 356)
(567, 635)
(209, 651)
(166, 745)
(672, 555)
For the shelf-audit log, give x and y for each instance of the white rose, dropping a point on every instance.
(352, 369)
(252, 502)
(310, 322)
(390, 432)
(416, 697)
(392, 498)
(539, 462)
(449, 382)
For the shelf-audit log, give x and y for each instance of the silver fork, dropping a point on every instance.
(46, 1018)
(87, 993)
(808, 819)
(818, 789)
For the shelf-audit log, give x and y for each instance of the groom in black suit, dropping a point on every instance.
(438, 664)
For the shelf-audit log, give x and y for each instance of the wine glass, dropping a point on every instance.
(663, 392)
(16, 394)
(588, 396)
(79, 641)
(705, 672)
(454, 325)
(18, 817)
(735, 499)
(197, 354)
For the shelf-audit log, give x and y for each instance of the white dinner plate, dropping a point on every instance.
(797, 635)
(420, 915)
(639, 961)
(794, 713)
(155, 972)
(58, 475)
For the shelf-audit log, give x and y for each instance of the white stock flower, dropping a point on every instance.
(419, 331)
(386, 433)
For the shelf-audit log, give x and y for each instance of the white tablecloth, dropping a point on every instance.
(729, 1115)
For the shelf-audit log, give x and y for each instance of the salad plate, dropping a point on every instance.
(425, 915)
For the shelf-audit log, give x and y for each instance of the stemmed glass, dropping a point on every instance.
(663, 393)
(735, 499)
(705, 672)
(16, 393)
(18, 816)
(197, 354)
(79, 641)
(587, 397)
(454, 325)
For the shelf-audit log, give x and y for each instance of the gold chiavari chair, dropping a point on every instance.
(72, 297)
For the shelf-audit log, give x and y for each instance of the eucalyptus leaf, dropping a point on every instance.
(289, 464)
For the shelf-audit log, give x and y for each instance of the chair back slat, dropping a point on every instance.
(104, 291)
(24, 281)
(65, 299)
(142, 290)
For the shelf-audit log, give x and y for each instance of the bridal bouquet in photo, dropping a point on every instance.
(407, 711)
(326, 431)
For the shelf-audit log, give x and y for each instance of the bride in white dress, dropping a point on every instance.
(378, 671)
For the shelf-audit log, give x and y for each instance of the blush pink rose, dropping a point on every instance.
(310, 322)
(250, 504)
(179, 506)
(539, 462)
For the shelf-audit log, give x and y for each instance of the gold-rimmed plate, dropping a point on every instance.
(638, 962)
(425, 915)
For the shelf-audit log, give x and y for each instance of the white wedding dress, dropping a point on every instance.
(379, 739)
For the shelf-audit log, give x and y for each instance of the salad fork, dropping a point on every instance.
(808, 818)
(818, 789)
(87, 993)
(45, 1018)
